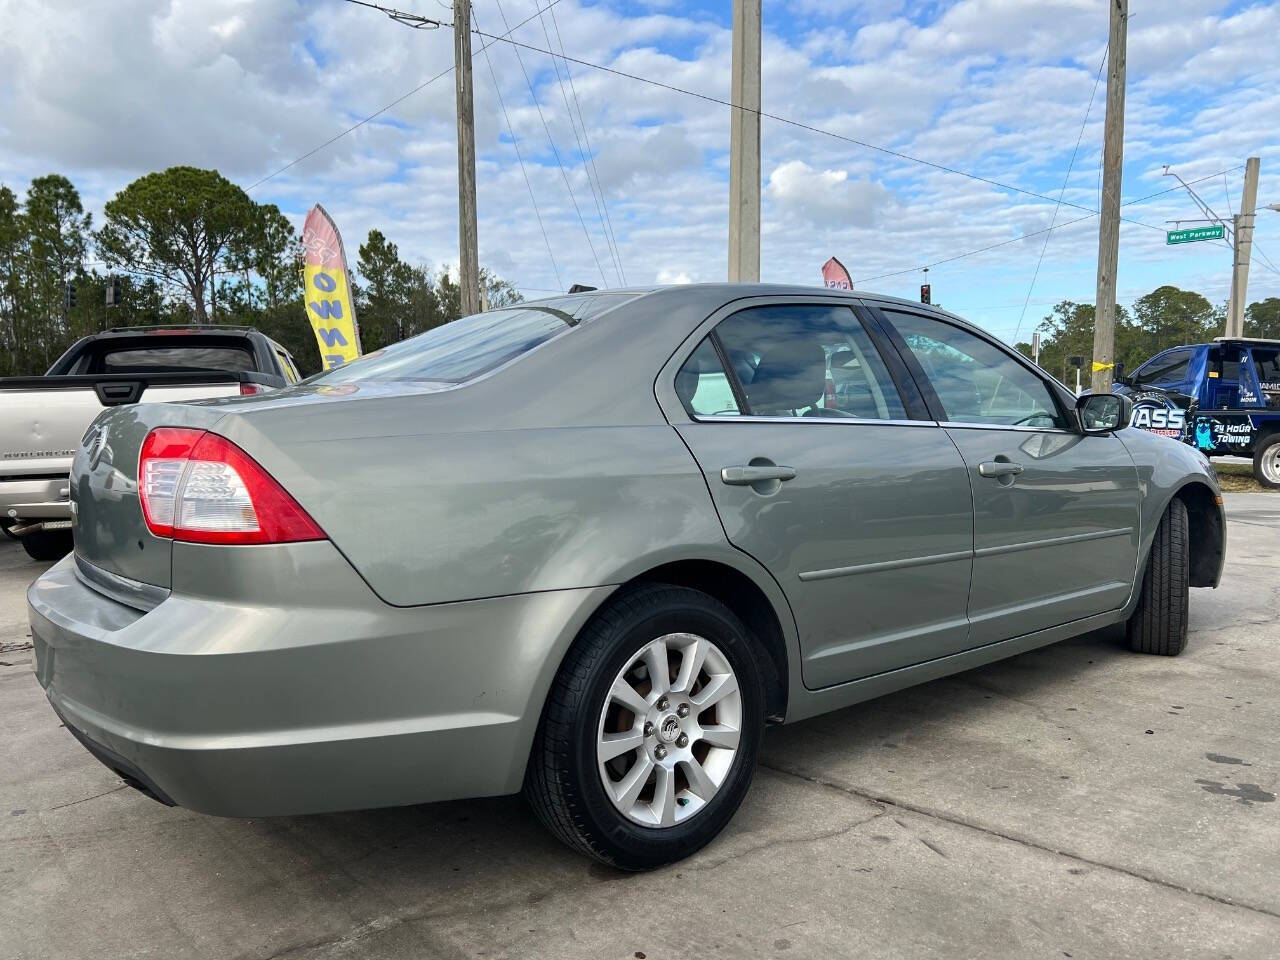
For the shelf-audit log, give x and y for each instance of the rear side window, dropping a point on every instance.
(174, 360)
(792, 360)
(466, 348)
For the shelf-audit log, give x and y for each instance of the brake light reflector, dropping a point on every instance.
(251, 389)
(199, 487)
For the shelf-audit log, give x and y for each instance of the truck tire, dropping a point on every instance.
(638, 772)
(1159, 624)
(1266, 462)
(47, 545)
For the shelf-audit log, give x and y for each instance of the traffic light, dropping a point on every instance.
(70, 294)
(114, 293)
(926, 293)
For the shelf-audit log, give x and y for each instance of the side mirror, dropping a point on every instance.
(1118, 374)
(1103, 412)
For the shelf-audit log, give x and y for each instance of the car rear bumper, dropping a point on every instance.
(325, 700)
(42, 498)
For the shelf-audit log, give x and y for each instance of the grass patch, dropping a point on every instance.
(1238, 478)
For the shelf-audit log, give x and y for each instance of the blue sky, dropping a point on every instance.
(997, 88)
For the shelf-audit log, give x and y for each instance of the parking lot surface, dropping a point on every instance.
(1076, 801)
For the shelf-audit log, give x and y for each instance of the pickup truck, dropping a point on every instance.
(42, 419)
(1222, 398)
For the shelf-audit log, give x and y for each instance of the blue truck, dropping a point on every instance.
(1222, 398)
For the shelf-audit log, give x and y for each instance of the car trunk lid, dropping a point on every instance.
(108, 525)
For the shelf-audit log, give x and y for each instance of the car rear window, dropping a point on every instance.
(174, 360)
(466, 348)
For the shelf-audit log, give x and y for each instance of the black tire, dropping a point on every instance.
(563, 784)
(1159, 624)
(47, 545)
(1266, 449)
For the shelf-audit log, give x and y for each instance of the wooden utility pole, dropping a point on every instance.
(1104, 324)
(744, 145)
(468, 256)
(1243, 235)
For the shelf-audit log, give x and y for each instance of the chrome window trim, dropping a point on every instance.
(832, 421)
(997, 426)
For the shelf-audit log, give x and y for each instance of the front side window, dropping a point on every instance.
(1167, 369)
(800, 360)
(975, 380)
(466, 348)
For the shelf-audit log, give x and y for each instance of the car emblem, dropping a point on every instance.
(670, 729)
(97, 446)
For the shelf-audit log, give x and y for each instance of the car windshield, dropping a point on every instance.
(464, 349)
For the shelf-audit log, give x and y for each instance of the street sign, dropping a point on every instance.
(1191, 235)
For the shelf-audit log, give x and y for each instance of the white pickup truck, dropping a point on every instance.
(43, 419)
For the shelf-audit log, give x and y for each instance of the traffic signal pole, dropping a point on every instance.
(1104, 324)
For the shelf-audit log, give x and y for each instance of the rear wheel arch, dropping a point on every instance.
(742, 595)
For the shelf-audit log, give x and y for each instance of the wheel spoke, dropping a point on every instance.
(629, 697)
(719, 687)
(719, 735)
(664, 796)
(655, 658)
(692, 659)
(616, 744)
(700, 781)
(628, 788)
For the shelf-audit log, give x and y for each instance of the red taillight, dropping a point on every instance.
(201, 487)
(251, 389)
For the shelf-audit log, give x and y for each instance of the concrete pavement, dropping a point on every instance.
(1077, 801)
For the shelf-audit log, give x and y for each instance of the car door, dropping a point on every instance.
(1056, 512)
(824, 471)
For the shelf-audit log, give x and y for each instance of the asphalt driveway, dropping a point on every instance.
(1077, 801)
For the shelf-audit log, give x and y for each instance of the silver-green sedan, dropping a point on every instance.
(589, 547)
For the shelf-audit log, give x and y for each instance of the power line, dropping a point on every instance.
(1025, 236)
(398, 100)
(583, 123)
(1065, 180)
(550, 140)
(587, 167)
(516, 144)
(802, 126)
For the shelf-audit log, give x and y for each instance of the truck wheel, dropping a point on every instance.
(1159, 624)
(47, 545)
(1266, 462)
(648, 740)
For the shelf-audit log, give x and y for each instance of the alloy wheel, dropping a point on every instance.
(669, 730)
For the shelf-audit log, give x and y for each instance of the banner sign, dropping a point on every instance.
(328, 290)
(834, 275)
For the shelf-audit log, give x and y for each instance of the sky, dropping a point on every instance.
(630, 180)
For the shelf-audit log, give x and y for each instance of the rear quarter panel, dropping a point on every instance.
(433, 518)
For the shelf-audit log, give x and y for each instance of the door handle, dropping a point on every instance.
(745, 476)
(999, 468)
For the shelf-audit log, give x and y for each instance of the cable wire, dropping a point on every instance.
(803, 126)
(1065, 180)
(519, 159)
(1025, 236)
(604, 204)
(398, 100)
(550, 139)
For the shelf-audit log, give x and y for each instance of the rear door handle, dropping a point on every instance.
(744, 476)
(999, 468)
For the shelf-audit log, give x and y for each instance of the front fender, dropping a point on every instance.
(1168, 468)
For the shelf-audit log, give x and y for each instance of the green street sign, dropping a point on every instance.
(1215, 232)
